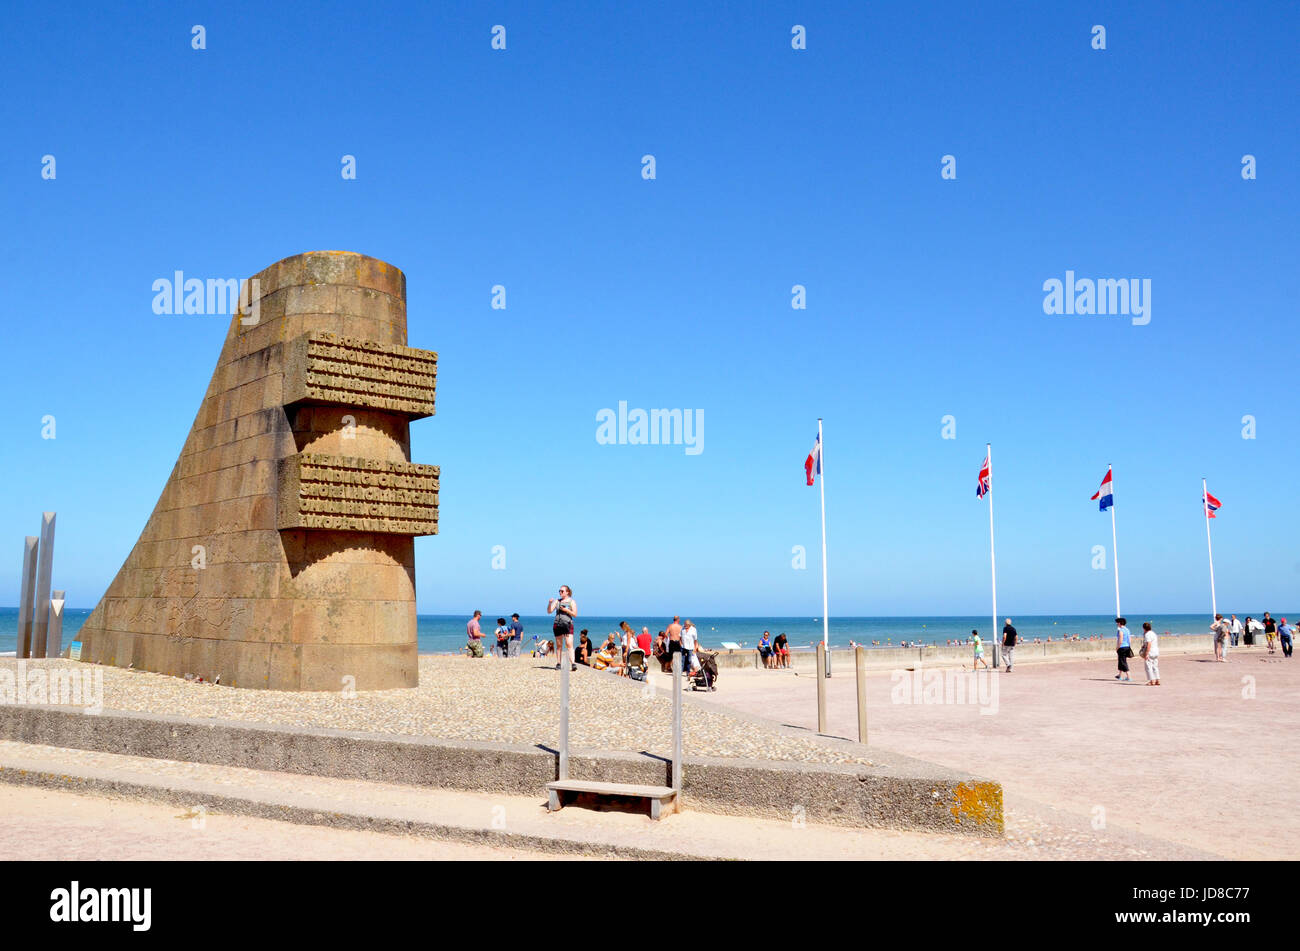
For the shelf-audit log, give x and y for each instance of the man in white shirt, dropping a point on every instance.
(690, 641)
(1234, 628)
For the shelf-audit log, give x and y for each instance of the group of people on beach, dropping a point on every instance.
(625, 653)
(507, 640)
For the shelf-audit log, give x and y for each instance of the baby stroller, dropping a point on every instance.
(636, 665)
(706, 678)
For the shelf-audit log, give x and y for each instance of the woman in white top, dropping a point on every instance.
(1151, 654)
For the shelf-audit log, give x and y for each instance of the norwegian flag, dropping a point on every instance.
(1211, 505)
(813, 464)
(982, 489)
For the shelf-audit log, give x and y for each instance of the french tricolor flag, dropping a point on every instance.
(813, 464)
(1104, 494)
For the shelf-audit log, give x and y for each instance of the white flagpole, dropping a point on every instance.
(821, 481)
(1114, 545)
(1205, 511)
(993, 563)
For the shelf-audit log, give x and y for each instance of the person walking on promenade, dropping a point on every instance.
(474, 634)
(1234, 628)
(565, 610)
(1009, 640)
(1284, 634)
(1270, 632)
(1220, 631)
(1151, 654)
(516, 635)
(979, 650)
(1123, 648)
(1248, 631)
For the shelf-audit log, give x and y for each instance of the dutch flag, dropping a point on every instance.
(813, 464)
(1104, 494)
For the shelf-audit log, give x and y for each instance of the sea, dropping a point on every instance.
(445, 633)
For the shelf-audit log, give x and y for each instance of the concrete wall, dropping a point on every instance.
(894, 792)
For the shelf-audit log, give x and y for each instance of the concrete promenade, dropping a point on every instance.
(1206, 761)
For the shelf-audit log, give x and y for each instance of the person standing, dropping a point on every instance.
(1009, 641)
(516, 636)
(674, 639)
(643, 641)
(1151, 654)
(1234, 628)
(979, 650)
(1284, 634)
(1270, 632)
(1123, 648)
(502, 634)
(565, 610)
(474, 634)
(690, 641)
(1220, 631)
(1248, 631)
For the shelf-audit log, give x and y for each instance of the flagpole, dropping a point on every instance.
(1114, 545)
(821, 443)
(1205, 510)
(993, 563)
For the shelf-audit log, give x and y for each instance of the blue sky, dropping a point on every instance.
(774, 167)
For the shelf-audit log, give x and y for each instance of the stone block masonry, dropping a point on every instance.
(280, 554)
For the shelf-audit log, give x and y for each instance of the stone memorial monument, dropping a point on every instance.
(281, 552)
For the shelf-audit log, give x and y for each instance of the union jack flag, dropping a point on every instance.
(1211, 505)
(982, 489)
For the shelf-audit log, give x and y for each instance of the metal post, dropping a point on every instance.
(27, 597)
(997, 651)
(44, 567)
(821, 688)
(860, 655)
(677, 724)
(564, 713)
(54, 637)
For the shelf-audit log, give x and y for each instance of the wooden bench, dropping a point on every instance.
(658, 795)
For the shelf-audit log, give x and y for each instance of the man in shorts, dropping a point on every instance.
(474, 633)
